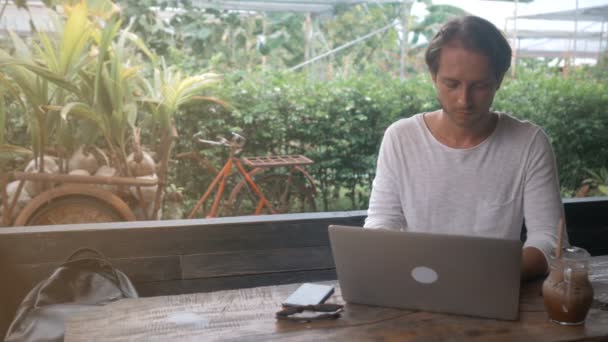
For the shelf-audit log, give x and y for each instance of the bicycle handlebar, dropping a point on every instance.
(237, 140)
(238, 136)
(211, 142)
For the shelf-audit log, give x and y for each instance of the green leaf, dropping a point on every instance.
(2, 115)
(48, 52)
(76, 34)
(142, 46)
(10, 152)
(107, 35)
(203, 33)
(11, 88)
(43, 72)
(21, 49)
(21, 77)
(131, 110)
(82, 111)
(101, 8)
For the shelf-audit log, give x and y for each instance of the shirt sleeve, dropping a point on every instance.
(542, 201)
(385, 209)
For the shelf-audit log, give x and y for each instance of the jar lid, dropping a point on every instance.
(573, 253)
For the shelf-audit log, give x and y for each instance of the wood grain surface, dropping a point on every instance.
(248, 315)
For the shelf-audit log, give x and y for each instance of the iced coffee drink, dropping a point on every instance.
(567, 292)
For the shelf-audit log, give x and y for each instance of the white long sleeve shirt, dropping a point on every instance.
(488, 190)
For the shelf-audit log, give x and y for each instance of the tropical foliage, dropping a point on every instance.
(86, 85)
(194, 38)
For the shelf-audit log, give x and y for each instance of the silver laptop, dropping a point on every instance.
(430, 272)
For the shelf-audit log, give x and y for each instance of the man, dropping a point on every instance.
(464, 169)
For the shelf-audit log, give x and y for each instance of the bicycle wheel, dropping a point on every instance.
(296, 196)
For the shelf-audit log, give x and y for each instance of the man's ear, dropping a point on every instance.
(500, 81)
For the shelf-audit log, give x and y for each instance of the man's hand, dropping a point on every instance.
(533, 263)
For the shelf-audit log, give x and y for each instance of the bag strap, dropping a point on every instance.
(97, 255)
(84, 250)
(73, 257)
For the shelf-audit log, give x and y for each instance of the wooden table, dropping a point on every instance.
(248, 315)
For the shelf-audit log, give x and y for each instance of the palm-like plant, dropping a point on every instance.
(85, 89)
(87, 78)
(169, 91)
(107, 94)
(596, 184)
(45, 74)
(82, 76)
(7, 151)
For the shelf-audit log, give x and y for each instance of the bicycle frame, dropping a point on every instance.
(220, 183)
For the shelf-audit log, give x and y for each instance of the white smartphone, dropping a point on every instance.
(309, 294)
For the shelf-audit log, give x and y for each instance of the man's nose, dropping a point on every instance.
(464, 97)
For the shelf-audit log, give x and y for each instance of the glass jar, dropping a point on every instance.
(567, 292)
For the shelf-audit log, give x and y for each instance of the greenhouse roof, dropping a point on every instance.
(312, 6)
(557, 53)
(598, 13)
(555, 34)
(17, 20)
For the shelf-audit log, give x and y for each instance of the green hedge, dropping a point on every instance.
(573, 113)
(340, 123)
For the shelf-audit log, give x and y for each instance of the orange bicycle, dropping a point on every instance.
(259, 191)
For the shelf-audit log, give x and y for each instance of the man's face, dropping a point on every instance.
(465, 84)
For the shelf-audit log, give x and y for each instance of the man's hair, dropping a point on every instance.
(473, 33)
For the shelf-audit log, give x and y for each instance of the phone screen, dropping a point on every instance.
(309, 294)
